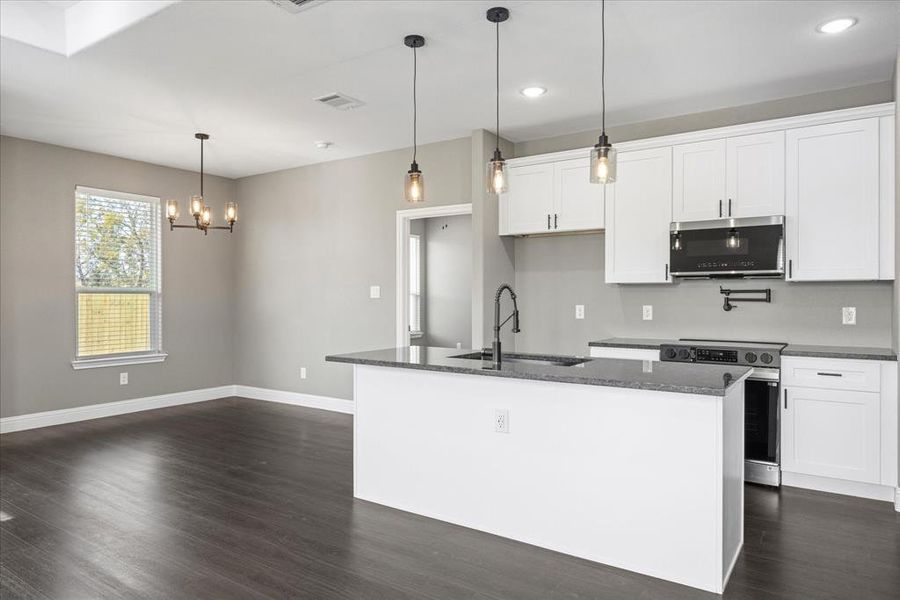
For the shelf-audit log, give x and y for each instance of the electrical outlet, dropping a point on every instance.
(302, 372)
(458, 345)
(848, 314)
(579, 311)
(501, 420)
(648, 312)
(374, 291)
(123, 378)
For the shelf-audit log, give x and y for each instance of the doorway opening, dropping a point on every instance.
(434, 276)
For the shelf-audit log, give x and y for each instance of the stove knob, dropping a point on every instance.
(766, 357)
(670, 353)
(684, 354)
(750, 357)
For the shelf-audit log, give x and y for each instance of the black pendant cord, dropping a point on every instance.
(415, 106)
(201, 168)
(498, 86)
(603, 65)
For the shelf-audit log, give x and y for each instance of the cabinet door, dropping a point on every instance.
(529, 201)
(698, 181)
(831, 433)
(832, 202)
(755, 175)
(638, 214)
(579, 203)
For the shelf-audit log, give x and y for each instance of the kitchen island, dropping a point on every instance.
(633, 464)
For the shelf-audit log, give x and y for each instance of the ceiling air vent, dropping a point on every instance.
(339, 101)
(295, 6)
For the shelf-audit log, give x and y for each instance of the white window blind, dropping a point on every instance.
(415, 285)
(117, 274)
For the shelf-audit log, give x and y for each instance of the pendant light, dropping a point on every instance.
(496, 167)
(414, 183)
(733, 241)
(603, 156)
(199, 210)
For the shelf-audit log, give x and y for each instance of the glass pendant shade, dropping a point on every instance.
(230, 212)
(171, 209)
(496, 175)
(196, 205)
(603, 162)
(205, 216)
(414, 185)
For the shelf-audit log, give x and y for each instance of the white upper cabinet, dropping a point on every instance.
(699, 181)
(732, 177)
(529, 202)
(579, 203)
(638, 213)
(755, 175)
(551, 197)
(832, 202)
(886, 193)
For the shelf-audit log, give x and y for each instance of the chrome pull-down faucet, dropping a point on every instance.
(495, 346)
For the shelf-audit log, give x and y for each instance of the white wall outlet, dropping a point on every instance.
(848, 315)
(648, 312)
(501, 420)
(123, 378)
(374, 291)
(579, 311)
(302, 372)
(458, 345)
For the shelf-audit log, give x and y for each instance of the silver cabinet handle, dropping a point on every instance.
(729, 207)
(830, 374)
(555, 216)
(720, 208)
(790, 269)
(785, 399)
(667, 272)
(548, 221)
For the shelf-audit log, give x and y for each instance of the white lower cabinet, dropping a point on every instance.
(839, 425)
(831, 433)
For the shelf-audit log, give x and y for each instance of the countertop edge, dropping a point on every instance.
(696, 391)
(886, 357)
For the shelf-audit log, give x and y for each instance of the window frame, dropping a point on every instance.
(419, 332)
(156, 353)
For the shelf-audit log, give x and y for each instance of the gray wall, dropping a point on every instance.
(448, 281)
(313, 240)
(37, 257)
(555, 273)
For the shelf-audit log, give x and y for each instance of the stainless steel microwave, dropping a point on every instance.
(748, 247)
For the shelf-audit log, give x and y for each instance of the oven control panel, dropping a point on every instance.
(749, 354)
(716, 355)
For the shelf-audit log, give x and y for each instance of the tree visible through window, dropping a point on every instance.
(117, 273)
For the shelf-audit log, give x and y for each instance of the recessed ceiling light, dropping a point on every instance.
(836, 25)
(323, 145)
(534, 91)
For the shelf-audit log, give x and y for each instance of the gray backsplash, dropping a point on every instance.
(555, 273)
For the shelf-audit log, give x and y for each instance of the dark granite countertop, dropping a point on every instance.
(707, 380)
(851, 352)
(644, 343)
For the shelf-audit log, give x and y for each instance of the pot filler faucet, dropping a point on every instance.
(495, 346)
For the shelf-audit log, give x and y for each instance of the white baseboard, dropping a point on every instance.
(873, 491)
(296, 398)
(109, 409)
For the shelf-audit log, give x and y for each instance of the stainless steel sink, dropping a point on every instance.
(556, 361)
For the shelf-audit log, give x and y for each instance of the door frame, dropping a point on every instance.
(404, 216)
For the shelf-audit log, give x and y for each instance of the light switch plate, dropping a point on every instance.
(579, 311)
(123, 378)
(648, 312)
(302, 372)
(848, 315)
(374, 291)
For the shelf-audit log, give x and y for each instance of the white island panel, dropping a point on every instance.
(643, 480)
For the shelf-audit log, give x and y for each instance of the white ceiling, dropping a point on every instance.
(246, 72)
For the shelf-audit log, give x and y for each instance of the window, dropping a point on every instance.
(117, 278)
(415, 286)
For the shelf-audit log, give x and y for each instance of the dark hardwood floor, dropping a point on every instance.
(243, 499)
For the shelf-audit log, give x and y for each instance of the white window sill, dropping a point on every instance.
(118, 361)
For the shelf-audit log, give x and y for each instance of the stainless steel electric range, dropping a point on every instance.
(762, 420)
